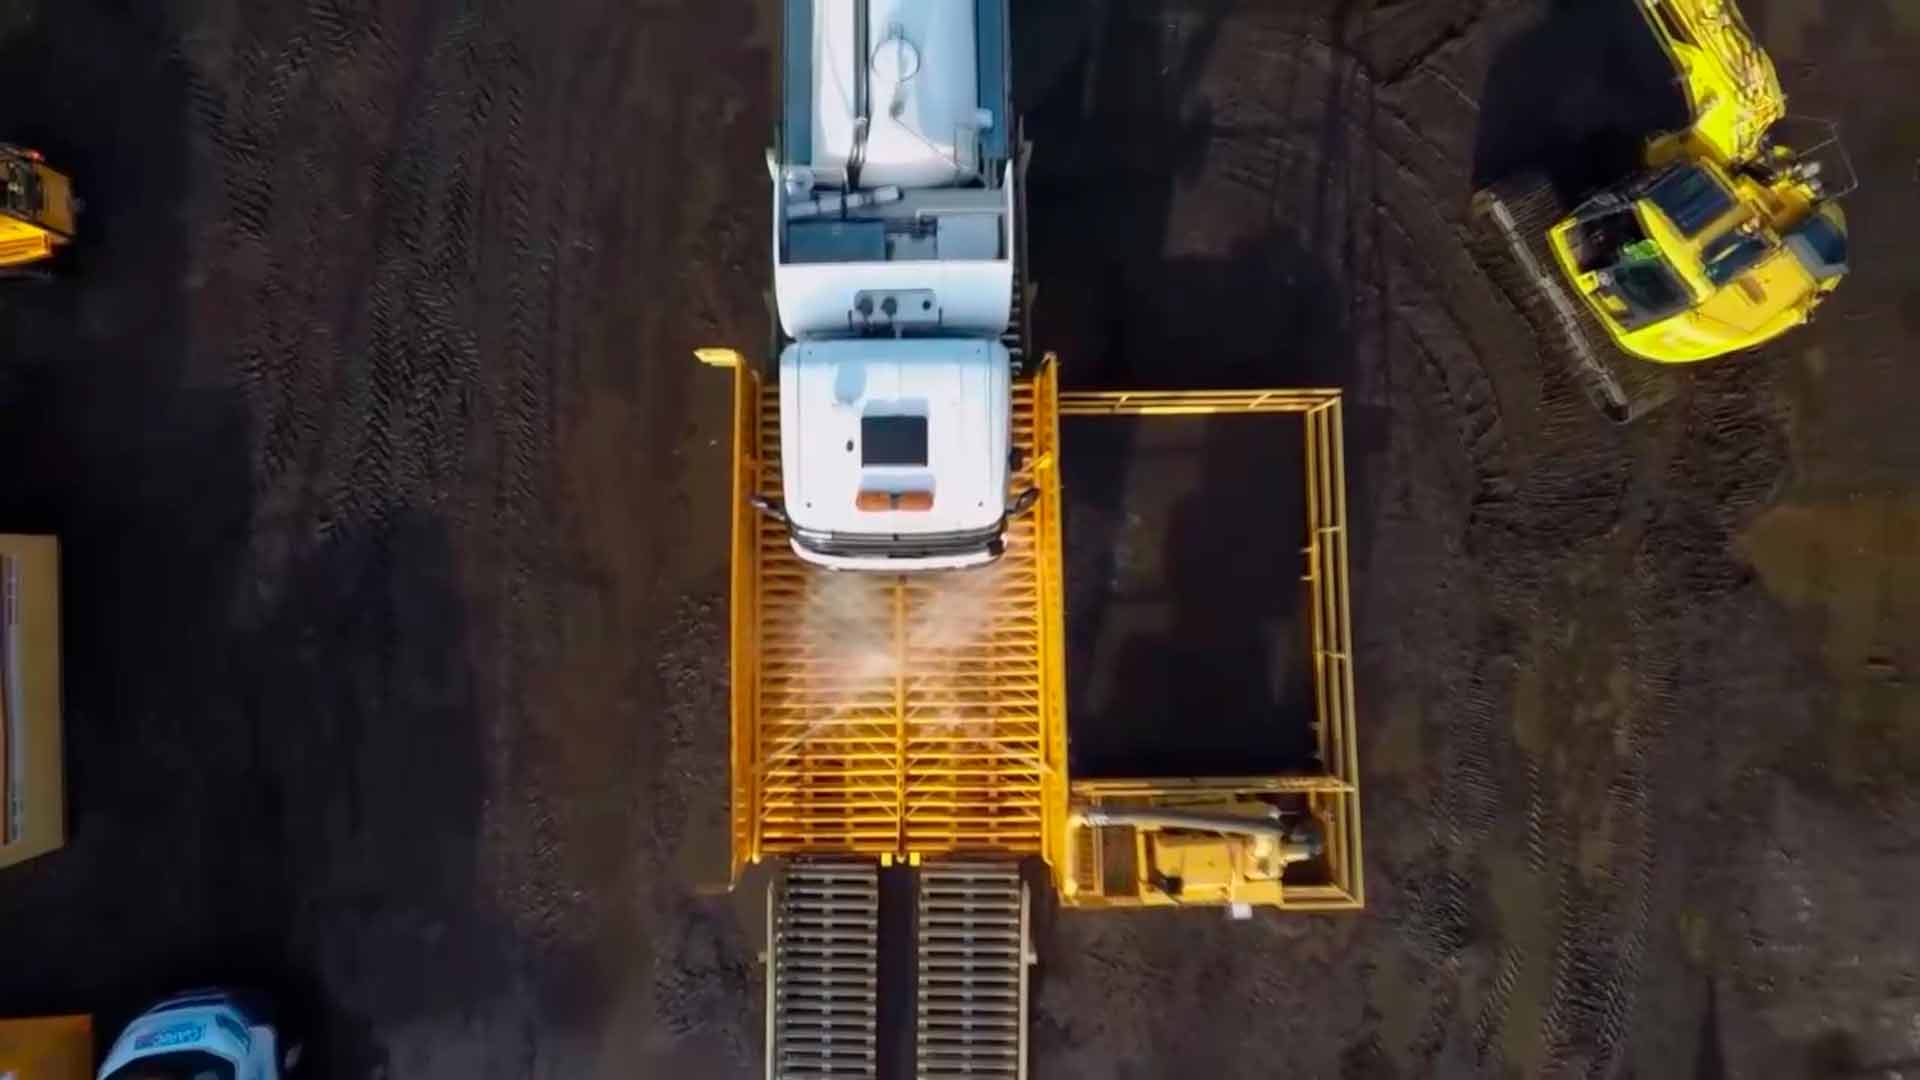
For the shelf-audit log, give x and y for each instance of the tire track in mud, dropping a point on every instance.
(702, 979)
(1413, 32)
(1441, 337)
(347, 33)
(522, 395)
(1387, 216)
(1678, 561)
(264, 123)
(1525, 523)
(297, 363)
(1446, 317)
(1442, 330)
(368, 84)
(245, 136)
(519, 399)
(400, 439)
(423, 333)
(323, 377)
(1442, 914)
(1484, 1041)
(1472, 319)
(295, 337)
(439, 353)
(1531, 511)
(1537, 819)
(1728, 466)
(247, 147)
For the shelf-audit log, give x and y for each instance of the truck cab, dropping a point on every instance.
(896, 242)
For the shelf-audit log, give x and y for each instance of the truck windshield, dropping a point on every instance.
(179, 1065)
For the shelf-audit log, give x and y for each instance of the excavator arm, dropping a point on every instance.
(1732, 90)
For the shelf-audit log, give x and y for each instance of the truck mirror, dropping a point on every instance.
(769, 507)
(1024, 501)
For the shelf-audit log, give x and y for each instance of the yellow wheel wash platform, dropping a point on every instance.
(891, 715)
(906, 717)
(899, 742)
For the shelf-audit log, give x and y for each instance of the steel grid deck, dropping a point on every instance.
(894, 715)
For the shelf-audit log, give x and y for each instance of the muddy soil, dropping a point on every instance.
(394, 518)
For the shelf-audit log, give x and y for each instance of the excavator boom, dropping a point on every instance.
(1732, 90)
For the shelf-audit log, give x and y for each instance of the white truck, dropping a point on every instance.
(897, 278)
(201, 1035)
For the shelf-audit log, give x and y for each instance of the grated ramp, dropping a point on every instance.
(823, 951)
(898, 714)
(971, 1007)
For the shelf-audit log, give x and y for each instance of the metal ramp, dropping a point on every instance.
(971, 1015)
(823, 928)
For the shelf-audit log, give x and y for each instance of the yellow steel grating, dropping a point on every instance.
(888, 714)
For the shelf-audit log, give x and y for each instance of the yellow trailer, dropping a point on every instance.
(32, 785)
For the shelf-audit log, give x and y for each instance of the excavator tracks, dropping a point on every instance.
(1512, 219)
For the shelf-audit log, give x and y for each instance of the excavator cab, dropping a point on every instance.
(37, 209)
(1692, 262)
(1726, 239)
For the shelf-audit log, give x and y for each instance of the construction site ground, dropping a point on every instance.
(394, 516)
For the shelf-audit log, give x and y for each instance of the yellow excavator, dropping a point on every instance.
(1726, 239)
(37, 210)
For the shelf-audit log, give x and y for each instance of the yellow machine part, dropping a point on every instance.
(1772, 297)
(1735, 98)
(1126, 866)
(31, 235)
(47, 1048)
(22, 243)
(33, 811)
(1732, 88)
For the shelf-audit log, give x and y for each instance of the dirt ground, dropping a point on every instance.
(393, 512)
